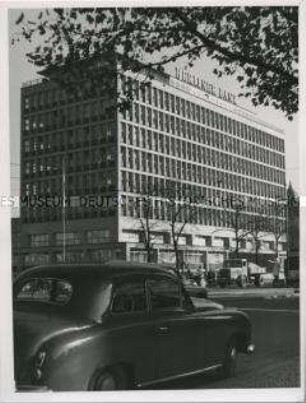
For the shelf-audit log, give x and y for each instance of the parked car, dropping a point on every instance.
(267, 280)
(117, 326)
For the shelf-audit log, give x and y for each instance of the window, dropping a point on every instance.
(26, 146)
(33, 259)
(123, 133)
(39, 239)
(167, 101)
(129, 297)
(71, 238)
(178, 106)
(143, 93)
(46, 290)
(27, 124)
(160, 99)
(97, 236)
(155, 97)
(26, 103)
(172, 103)
(164, 294)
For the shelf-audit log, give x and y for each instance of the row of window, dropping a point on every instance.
(40, 215)
(84, 137)
(181, 107)
(219, 210)
(99, 108)
(153, 187)
(96, 158)
(75, 256)
(75, 104)
(133, 135)
(194, 214)
(71, 238)
(137, 183)
(75, 129)
(172, 167)
(75, 184)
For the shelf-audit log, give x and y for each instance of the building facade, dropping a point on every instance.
(95, 178)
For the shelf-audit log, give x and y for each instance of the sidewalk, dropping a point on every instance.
(268, 293)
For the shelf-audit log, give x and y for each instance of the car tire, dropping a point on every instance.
(230, 359)
(109, 379)
(257, 280)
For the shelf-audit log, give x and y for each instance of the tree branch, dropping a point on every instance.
(233, 56)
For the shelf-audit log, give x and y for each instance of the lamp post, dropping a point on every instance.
(62, 171)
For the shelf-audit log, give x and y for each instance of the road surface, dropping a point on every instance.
(275, 318)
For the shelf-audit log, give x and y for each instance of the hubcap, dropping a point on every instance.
(106, 382)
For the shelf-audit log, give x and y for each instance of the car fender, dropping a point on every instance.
(241, 329)
(73, 359)
(236, 325)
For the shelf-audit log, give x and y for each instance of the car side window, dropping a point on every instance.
(129, 296)
(165, 294)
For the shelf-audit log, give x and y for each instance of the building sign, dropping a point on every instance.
(205, 86)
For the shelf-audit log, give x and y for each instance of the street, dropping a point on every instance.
(274, 314)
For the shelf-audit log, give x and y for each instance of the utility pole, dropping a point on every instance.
(64, 206)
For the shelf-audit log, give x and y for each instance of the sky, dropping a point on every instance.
(20, 71)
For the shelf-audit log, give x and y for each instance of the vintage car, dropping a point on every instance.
(117, 326)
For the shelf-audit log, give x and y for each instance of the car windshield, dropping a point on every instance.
(49, 290)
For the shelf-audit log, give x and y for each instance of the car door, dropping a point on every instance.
(171, 327)
(207, 333)
(212, 330)
(130, 337)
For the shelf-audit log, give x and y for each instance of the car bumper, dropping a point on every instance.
(32, 388)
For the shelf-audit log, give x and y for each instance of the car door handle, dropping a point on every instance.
(162, 330)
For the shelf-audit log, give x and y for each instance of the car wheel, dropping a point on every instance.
(257, 280)
(109, 379)
(230, 359)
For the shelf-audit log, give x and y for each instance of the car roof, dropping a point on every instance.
(108, 269)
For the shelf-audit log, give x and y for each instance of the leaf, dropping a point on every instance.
(41, 29)
(19, 19)
(257, 44)
(90, 18)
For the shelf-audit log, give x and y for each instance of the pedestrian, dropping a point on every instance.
(198, 276)
(276, 269)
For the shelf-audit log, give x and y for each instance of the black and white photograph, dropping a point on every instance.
(152, 201)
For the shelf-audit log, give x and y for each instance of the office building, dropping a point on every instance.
(182, 138)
